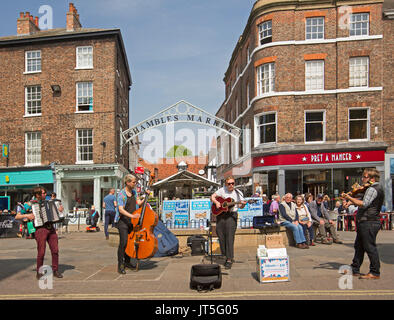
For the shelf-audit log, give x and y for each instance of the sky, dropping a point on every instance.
(176, 49)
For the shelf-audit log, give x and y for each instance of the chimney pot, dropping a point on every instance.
(73, 18)
(27, 24)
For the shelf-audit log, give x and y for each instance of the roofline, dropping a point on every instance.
(72, 35)
(179, 172)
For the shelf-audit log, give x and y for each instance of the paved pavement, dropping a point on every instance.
(89, 267)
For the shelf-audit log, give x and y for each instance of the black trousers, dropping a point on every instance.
(124, 230)
(226, 226)
(366, 242)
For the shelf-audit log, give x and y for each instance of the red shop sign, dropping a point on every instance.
(319, 158)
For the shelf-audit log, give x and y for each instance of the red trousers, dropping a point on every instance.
(42, 235)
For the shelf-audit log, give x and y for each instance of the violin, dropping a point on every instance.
(141, 242)
(357, 189)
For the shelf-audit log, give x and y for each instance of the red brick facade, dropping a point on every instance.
(59, 120)
(289, 50)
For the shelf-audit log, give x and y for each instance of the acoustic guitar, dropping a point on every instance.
(227, 204)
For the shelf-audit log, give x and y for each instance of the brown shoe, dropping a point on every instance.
(338, 241)
(300, 246)
(354, 274)
(57, 274)
(369, 276)
(39, 275)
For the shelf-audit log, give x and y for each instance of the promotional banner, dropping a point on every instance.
(246, 214)
(9, 227)
(177, 211)
(200, 211)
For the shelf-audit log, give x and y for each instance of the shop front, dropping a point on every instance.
(17, 183)
(81, 186)
(325, 172)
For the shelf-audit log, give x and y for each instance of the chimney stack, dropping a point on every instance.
(73, 18)
(27, 24)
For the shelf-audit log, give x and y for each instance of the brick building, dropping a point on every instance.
(311, 84)
(64, 96)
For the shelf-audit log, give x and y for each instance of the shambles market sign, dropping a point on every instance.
(319, 158)
(181, 112)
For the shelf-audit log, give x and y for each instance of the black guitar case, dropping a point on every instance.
(205, 277)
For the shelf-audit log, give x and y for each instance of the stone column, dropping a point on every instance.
(281, 182)
(97, 193)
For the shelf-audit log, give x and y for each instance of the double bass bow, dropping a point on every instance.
(141, 242)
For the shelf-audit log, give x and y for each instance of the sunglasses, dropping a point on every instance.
(230, 183)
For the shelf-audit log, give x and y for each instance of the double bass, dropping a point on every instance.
(141, 242)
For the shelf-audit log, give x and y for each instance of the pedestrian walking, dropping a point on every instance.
(109, 205)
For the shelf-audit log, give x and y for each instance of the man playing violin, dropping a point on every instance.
(368, 224)
(226, 223)
(127, 204)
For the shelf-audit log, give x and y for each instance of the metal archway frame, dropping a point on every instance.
(181, 112)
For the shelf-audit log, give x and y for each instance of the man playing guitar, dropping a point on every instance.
(226, 223)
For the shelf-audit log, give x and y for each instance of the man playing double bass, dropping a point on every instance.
(127, 204)
(368, 224)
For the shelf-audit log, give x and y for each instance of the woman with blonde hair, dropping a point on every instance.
(305, 219)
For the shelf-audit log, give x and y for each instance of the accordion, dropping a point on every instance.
(46, 211)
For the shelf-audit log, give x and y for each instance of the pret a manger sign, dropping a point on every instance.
(319, 158)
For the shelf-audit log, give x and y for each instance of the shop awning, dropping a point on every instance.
(25, 177)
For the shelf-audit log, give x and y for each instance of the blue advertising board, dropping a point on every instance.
(176, 211)
(200, 211)
(246, 214)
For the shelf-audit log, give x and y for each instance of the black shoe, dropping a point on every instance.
(121, 269)
(57, 274)
(130, 266)
(228, 265)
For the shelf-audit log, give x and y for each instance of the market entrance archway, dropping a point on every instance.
(181, 112)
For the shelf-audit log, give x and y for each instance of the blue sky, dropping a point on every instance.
(177, 49)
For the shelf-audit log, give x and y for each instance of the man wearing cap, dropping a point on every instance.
(321, 218)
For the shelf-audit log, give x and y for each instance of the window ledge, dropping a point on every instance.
(315, 142)
(83, 68)
(84, 111)
(32, 115)
(31, 72)
(358, 140)
(84, 162)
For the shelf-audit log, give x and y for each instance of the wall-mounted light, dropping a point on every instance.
(103, 143)
(56, 88)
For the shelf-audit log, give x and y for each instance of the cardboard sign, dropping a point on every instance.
(273, 270)
(273, 241)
